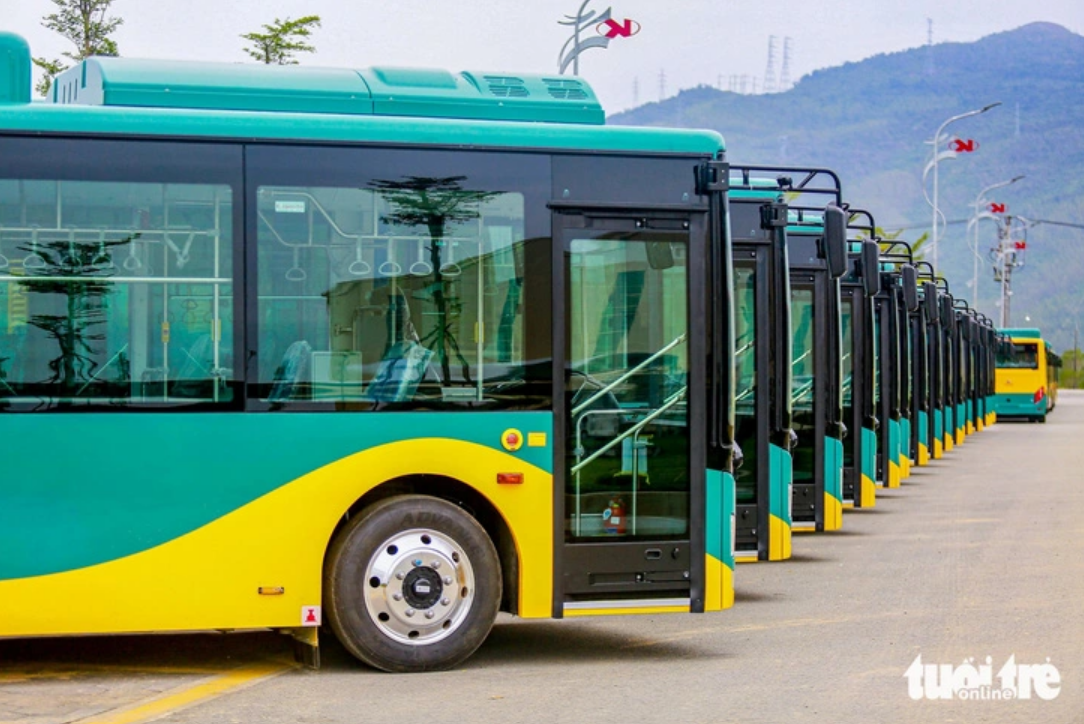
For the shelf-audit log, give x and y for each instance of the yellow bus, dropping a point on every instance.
(1021, 379)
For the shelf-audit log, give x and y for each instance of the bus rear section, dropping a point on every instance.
(1021, 376)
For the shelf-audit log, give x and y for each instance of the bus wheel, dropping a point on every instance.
(1041, 419)
(413, 583)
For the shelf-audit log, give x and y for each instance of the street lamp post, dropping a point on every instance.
(981, 201)
(936, 142)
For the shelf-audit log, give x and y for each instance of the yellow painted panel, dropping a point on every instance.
(580, 612)
(208, 579)
(719, 584)
(893, 474)
(779, 542)
(923, 454)
(938, 449)
(833, 513)
(869, 492)
(746, 559)
(713, 583)
(728, 586)
(948, 442)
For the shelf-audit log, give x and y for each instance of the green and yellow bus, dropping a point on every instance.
(1022, 375)
(386, 351)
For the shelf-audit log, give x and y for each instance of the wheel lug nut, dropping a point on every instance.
(400, 575)
(397, 596)
(447, 580)
(434, 565)
(429, 614)
(445, 601)
(417, 562)
(409, 612)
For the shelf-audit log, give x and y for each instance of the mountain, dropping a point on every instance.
(871, 121)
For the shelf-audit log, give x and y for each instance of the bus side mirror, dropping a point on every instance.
(871, 267)
(909, 280)
(929, 302)
(835, 241)
(946, 311)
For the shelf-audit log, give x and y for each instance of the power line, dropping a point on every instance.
(1031, 221)
(784, 75)
(769, 72)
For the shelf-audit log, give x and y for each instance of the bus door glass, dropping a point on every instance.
(628, 431)
(808, 420)
(847, 358)
(748, 310)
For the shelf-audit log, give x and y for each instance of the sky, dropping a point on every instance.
(689, 42)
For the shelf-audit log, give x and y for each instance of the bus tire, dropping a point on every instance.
(413, 583)
(1041, 419)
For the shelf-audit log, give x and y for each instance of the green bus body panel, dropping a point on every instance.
(251, 126)
(903, 450)
(924, 429)
(938, 424)
(892, 455)
(780, 477)
(127, 482)
(15, 69)
(387, 91)
(720, 501)
(833, 467)
(1022, 332)
(187, 84)
(869, 453)
(754, 194)
(1018, 403)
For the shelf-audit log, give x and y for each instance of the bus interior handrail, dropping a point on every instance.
(627, 374)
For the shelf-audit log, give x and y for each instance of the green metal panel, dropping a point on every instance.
(833, 467)
(128, 482)
(781, 477)
(14, 69)
(244, 125)
(1022, 333)
(869, 453)
(417, 92)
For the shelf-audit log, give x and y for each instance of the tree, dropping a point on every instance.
(77, 274)
(52, 69)
(87, 25)
(434, 203)
(281, 40)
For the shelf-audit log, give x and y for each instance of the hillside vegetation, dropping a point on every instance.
(869, 121)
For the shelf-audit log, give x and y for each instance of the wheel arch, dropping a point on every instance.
(462, 495)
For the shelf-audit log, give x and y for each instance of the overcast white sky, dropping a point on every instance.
(692, 41)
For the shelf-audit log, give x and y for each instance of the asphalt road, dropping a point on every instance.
(977, 555)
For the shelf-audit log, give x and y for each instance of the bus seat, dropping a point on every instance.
(291, 372)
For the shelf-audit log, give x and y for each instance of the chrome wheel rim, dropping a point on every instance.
(419, 587)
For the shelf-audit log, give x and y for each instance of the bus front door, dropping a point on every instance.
(630, 414)
(763, 389)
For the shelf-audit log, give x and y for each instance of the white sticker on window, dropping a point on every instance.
(289, 207)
